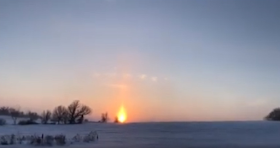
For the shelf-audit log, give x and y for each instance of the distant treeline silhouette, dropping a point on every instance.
(72, 114)
(274, 115)
(16, 113)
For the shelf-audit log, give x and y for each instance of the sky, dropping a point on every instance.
(163, 60)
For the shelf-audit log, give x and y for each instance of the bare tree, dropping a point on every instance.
(80, 120)
(60, 114)
(4, 110)
(15, 114)
(45, 117)
(32, 115)
(72, 109)
(65, 118)
(104, 118)
(76, 110)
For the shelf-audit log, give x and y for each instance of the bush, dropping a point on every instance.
(2, 121)
(274, 115)
(26, 122)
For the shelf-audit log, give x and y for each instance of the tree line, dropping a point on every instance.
(74, 113)
(105, 118)
(15, 113)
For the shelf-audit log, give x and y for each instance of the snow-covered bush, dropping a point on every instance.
(60, 139)
(46, 140)
(7, 139)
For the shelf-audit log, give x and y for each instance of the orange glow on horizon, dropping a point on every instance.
(122, 115)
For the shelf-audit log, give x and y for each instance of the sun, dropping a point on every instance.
(122, 115)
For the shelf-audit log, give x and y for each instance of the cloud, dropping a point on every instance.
(154, 79)
(143, 76)
(116, 85)
(116, 75)
(105, 75)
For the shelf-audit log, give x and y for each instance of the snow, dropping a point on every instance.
(161, 135)
(69, 131)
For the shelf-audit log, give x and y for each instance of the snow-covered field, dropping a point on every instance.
(69, 131)
(26, 131)
(163, 135)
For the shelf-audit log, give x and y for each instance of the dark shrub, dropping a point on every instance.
(116, 120)
(274, 115)
(26, 122)
(104, 118)
(2, 121)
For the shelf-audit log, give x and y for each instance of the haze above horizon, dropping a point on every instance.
(163, 60)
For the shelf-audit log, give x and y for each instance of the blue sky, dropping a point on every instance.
(179, 60)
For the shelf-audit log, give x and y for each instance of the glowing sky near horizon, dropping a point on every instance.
(164, 60)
